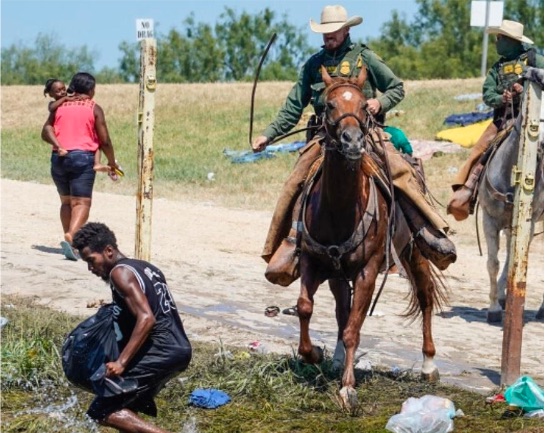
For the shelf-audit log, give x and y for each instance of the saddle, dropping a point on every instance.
(483, 176)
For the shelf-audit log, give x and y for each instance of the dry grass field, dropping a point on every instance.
(194, 123)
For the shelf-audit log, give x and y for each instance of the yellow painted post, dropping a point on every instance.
(146, 120)
(524, 181)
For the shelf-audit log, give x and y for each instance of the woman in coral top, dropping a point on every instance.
(77, 130)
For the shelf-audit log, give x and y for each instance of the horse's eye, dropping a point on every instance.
(330, 105)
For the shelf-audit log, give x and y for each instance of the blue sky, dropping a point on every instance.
(102, 25)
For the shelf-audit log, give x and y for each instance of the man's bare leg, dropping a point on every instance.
(81, 207)
(126, 421)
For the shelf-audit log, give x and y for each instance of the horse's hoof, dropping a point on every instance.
(430, 377)
(349, 398)
(494, 316)
(317, 355)
(539, 314)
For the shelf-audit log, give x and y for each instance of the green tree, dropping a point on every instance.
(193, 56)
(45, 59)
(228, 51)
(440, 43)
(244, 38)
(129, 65)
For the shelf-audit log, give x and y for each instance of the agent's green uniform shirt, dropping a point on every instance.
(347, 61)
(501, 76)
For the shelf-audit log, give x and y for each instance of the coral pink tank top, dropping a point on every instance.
(75, 125)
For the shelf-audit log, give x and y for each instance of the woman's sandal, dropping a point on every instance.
(291, 311)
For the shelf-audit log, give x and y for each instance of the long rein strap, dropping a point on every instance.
(391, 219)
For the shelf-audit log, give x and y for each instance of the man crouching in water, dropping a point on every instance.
(153, 346)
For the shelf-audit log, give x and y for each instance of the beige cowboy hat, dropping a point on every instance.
(333, 18)
(512, 30)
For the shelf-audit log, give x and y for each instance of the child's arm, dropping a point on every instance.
(53, 105)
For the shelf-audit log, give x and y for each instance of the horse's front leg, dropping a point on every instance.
(364, 286)
(305, 304)
(492, 235)
(502, 282)
(341, 292)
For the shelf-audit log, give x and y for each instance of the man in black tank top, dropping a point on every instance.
(152, 342)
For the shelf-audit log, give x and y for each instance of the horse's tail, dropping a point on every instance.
(426, 281)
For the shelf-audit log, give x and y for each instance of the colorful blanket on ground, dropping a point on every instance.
(465, 136)
(244, 156)
(465, 119)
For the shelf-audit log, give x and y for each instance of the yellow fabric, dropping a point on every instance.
(465, 136)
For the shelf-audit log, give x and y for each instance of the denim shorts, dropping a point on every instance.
(73, 174)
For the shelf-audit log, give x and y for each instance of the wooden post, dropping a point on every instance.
(146, 119)
(523, 178)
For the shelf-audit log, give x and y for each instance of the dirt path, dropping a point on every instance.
(210, 256)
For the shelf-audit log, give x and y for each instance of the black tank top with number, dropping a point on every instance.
(167, 345)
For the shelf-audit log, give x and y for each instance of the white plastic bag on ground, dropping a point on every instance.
(428, 414)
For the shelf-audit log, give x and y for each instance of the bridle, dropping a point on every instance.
(331, 125)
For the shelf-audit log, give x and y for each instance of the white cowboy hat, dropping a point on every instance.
(333, 18)
(512, 30)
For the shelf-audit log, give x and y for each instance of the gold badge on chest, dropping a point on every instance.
(344, 68)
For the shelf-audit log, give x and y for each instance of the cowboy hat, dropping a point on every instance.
(512, 30)
(333, 18)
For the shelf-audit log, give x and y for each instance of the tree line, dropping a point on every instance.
(437, 43)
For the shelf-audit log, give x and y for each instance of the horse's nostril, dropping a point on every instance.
(346, 136)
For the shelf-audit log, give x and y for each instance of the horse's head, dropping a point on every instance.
(345, 113)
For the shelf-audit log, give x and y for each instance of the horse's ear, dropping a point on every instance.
(326, 78)
(362, 77)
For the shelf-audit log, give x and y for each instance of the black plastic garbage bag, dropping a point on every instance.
(89, 346)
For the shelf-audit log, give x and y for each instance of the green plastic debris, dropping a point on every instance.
(525, 393)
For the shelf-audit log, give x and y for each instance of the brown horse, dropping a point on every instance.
(345, 227)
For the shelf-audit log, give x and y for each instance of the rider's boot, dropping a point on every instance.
(283, 267)
(459, 205)
(432, 243)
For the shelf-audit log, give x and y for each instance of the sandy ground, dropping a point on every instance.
(210, 256)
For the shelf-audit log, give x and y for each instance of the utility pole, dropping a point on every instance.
(485, 40)
(146, 121)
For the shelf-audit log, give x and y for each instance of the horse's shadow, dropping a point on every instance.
(470, 314)
(44, 249)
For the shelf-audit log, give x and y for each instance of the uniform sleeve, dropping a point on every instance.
(293, 107)
(491, 86)
(385, 81)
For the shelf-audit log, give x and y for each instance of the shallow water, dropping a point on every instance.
(60, 404)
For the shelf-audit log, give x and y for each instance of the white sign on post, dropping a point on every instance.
(478, 13)
(144, 28)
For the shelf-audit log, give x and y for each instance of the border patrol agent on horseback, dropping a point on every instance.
(343, 58)
(502, 91)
